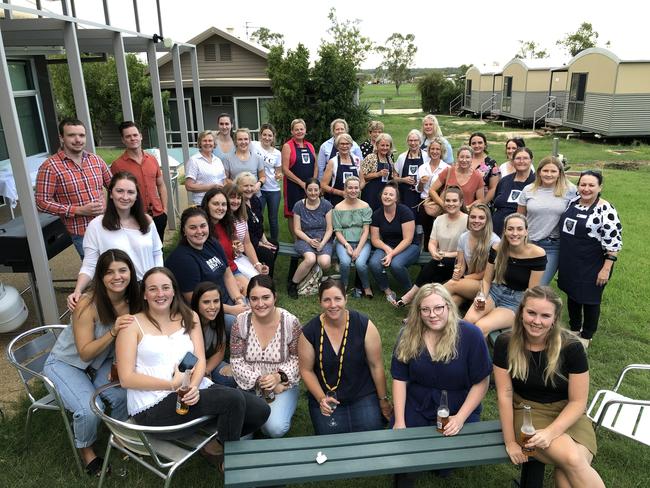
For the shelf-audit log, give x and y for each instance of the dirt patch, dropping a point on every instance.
(501, 136)
(469, 122)
(621, 151)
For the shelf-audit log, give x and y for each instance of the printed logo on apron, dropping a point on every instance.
(413, 169)
(569, 226)
(305, 158)
(347, 174)
(514, 196)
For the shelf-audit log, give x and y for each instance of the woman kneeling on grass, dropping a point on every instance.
(543, 366)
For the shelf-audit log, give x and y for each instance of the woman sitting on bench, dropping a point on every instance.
(543, 366)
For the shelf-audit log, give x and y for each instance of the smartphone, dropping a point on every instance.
(188, 362)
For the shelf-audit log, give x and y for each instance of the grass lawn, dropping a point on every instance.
(408, 97)
(623, 337)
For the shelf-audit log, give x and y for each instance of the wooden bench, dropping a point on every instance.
(287, 249)
(293, 460)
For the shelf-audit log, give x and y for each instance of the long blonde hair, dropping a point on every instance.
(562, 183)
(481, 251)
(411, 340)
(503, 254)
(519, 355)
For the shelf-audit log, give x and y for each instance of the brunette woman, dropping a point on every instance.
(542, 366)
(375, 128)
(462, 175)
(377, 170)
(514, 265)
(270, 193)
(484, 164)
(224, 144)
(512, 145)
(204, 171)
(339, 168)
(245, 160)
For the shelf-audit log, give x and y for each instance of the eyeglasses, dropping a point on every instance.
(437, 310)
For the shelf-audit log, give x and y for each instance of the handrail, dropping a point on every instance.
(490, 101)
(546, 106)
(456, 102)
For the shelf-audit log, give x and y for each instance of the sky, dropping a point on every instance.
(446, 34)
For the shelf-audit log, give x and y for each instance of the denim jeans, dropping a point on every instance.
(272, 199)
(552, 248)
(358, 416)
(221, 379)
(76, 390)
(282, 410)
(78, 243)
(399, 266)
(361, 263)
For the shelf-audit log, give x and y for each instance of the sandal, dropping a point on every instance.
(401, 303)
(94, 467)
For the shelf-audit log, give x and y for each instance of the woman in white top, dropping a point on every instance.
(270, 193)
(124, 226)
(512, 145)
(431, 130)
(204, 170)
(149, 351)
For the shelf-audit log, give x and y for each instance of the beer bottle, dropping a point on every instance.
(443, 412)
(527, 431)
(181, 407)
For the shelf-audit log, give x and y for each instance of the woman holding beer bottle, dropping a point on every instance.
(544, 367)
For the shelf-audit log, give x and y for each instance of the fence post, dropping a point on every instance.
(383, 102)
(556, 145)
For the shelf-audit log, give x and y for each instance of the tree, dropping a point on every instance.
(437, 89)
(399, 52)
(584, 38)
(531, 50)
(348, 40)
(103, 93)
(265, 37)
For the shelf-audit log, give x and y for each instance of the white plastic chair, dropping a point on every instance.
(28, 353)
(153, 447)
(629, 417)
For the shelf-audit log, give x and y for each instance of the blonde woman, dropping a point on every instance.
(204, 171)
(329, 149)
(243, 160)
(541, 365)
(377, 170)
(514, 265)
(431, 130)
(437, 351)
(342, 166)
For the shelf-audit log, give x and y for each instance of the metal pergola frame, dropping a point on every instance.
(46, 30)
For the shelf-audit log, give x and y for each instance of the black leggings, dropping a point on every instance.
(238, 412)
(589, 323)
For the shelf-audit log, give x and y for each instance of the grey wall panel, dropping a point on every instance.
(534, 100)
(598, 111)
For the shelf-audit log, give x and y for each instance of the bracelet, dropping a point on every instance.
(385, 397)
(611, 258)
(257, 264)
(111, 333)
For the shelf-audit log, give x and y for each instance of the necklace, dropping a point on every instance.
(341, 352)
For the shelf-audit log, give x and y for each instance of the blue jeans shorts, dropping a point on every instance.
(505, 297)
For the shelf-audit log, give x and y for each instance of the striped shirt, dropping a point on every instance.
(62, 186)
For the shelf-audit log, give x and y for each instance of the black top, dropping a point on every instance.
(518, 271)
(506, 199)
(573, 360)
(356, 380)
(391, 232)
(192, 266)
(255, 221)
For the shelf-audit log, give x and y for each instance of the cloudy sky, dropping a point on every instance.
(446, 33)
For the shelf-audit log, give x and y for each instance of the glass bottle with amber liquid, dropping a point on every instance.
(527, 431)
(443, 412)
(183, 408)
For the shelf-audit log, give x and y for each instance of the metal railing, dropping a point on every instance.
(547, 108)
(490, 101)
(455, 103)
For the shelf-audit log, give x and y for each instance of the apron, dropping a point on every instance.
(409, 196)
(581, 257)
(303, 168)
(343, 171)
(373, 189)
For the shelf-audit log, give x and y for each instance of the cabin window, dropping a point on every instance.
(577, 92)
(210, 52)
(225, 53)
(506, 101)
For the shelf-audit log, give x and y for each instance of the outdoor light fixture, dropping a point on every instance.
(13, 311)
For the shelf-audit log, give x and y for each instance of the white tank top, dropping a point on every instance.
(157, 356)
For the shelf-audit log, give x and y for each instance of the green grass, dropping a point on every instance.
(623, 337)
(408, 97)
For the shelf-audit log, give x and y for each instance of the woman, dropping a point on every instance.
(437, 351)
(298, 165)
(377, 169)
(245, 160)
(204, 171)
(124, 226)
(406, 171)
(340, 352)
(484, 164)
(375, 127)
(270, 194)
(514, 265)
(430, 131)
(245, 254)
(328, 149)
(87, 346)
(351, 223)
(264, 354)
(512, 145)
(472, 256)
(216, 206)
(506, 196)
(427, 174)
(392, 230)
(340, 168)
(148, 353)
(199, 257)
(224, 145)
(461, 175)
(543, 202)
(540, 365)
(590, 240)
(206, 302)
(443, 244)
(266, 250)
(313, 228)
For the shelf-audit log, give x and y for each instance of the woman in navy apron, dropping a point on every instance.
(298, 165)
(590, 239)
(406, 169)
(339, 168)
(377, 170)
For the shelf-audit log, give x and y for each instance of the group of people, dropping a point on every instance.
(494, 233)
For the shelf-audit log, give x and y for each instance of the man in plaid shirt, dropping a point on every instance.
(70, 183)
